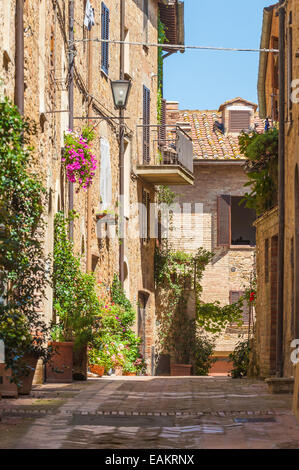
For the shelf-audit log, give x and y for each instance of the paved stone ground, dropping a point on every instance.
(150, 413)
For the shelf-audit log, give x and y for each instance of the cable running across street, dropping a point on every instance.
(174, 46)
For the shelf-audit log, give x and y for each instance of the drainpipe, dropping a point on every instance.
(281, 192)
(89, 199)
(19, 66)
(71, 103)
(121, 151)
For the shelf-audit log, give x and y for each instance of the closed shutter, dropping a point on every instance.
(145, 21)
(234, 296)
(105, 35)
(224, 220)
(145, 217)
(146, 123)
(162, 134)
(239, 121)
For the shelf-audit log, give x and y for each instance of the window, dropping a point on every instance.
(239, 121)
(234, 222)
(267, 260)
(234, 296)
(290, 70)
(127, 71)
(105, 35)
(146, 123)
(105, 175)
(145, 216)
(145, 21)
(127, 179)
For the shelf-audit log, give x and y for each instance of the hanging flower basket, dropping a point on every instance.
(78, 159)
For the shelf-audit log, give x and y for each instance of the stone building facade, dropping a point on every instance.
(291, 198)
(220, 225)
(47, 48)
(266, 301)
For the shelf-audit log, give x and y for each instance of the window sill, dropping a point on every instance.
(105, 74)
(242, 247)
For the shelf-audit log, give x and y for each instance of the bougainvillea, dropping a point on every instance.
(78, 159)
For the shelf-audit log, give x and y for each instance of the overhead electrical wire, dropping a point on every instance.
(174, 46)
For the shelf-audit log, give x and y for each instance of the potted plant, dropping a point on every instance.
(129, 369)
(59, 368)
(76, 306)
(78, 159)
(98, 361)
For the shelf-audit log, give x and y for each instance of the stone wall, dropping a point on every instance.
(266, 301)
(46, 101)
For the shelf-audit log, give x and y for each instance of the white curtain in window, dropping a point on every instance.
(105, 175)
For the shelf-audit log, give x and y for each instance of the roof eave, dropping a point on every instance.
(264, 44)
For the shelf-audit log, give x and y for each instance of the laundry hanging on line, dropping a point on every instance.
(89, 16)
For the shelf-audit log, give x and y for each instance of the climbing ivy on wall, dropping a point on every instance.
(261, 151)
(23, 267)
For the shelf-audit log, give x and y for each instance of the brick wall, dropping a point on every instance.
(231, 267)
(266, 301)
(46, 70)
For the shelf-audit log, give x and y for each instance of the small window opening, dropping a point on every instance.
(242, 218)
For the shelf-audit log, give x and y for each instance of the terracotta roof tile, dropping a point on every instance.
(208, 141)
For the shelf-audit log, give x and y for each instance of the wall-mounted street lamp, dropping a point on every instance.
(120, 91)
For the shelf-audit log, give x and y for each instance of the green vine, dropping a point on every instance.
(261, 151)
(23, 267)
(76, 303)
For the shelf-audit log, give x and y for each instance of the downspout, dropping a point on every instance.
(71, 102)
(19, 66)
(121, 151)
(89, 199)
(281, 192)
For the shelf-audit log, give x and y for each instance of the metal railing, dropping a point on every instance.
(164, 145)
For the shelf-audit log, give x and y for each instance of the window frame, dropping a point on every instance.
(105, 20)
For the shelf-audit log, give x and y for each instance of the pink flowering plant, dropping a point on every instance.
(78, 159)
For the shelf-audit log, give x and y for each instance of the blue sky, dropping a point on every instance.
(205, 79)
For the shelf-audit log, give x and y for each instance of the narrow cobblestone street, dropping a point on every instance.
(150, 413)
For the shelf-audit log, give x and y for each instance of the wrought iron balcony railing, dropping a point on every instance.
(160, 145)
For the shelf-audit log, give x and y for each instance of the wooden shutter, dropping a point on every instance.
(162, 132)
(145, 217)
(234, 296)
(239, 121)
(146, 124)
(224, 220)
(105, 35)
(145, 21)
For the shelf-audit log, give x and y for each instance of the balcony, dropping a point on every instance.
(165, 155)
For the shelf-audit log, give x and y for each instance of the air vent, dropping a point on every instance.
(239, 121)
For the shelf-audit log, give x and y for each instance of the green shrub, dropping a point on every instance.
(240, 359)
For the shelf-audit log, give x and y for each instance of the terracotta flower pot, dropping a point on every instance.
(59, 369)
(118, 371)
(80, 363)
(129, 373)
(7, 389)
(27, 380)
(180, 369)
(95, 369)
